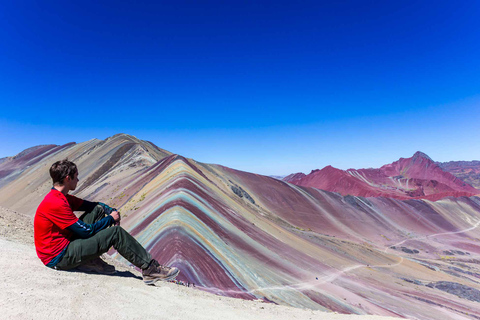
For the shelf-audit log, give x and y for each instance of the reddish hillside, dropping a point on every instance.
(417, 177)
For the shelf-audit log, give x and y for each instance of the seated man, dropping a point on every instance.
(64, 241)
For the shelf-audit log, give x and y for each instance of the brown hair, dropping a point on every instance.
(61, 169)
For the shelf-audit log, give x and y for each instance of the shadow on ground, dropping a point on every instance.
(124, 274)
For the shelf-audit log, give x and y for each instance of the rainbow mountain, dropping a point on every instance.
(250, 236)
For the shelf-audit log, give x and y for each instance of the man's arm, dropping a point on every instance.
(89, 206)
(85, 231)
(107, 209)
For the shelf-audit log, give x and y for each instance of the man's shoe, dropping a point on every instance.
(97, 265)
(156, 271)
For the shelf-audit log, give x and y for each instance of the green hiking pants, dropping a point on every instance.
(81, 250)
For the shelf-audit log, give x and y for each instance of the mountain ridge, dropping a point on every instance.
(417, 177)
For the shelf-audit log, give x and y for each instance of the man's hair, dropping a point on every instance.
(61, 169)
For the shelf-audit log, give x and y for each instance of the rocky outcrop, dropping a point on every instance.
(457, 289)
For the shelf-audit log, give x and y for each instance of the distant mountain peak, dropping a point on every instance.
(420, 154)
(329, 169)
(294, 176)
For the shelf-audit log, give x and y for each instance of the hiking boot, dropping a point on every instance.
(97, 265)
(156, 271)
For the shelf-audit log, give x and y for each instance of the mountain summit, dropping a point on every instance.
(420, 155)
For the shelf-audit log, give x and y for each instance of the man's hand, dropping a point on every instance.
(116, 216)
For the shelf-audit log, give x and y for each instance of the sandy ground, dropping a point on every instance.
(30, 290)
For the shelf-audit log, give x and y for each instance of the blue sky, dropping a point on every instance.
(271, 87)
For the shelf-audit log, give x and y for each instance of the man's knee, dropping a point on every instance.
(99, 209)
(96, 214)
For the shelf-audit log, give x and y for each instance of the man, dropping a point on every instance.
(64, 241)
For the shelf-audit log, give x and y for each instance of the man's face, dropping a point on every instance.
(72, 183)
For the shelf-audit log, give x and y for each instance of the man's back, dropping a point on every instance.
(53, 216)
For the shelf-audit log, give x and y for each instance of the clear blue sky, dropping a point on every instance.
(271, 87)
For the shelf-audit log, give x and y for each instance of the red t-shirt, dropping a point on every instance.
(53, 216)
